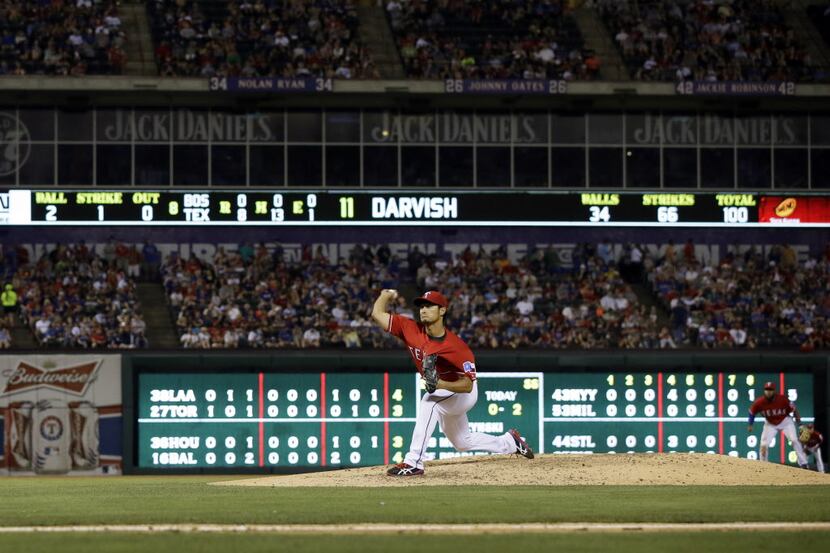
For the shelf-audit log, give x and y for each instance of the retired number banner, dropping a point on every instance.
(736, 88)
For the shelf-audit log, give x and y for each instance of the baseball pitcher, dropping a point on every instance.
(776, 408)
(449, 371)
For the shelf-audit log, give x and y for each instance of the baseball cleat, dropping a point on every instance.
(521, 446)
(402, 469)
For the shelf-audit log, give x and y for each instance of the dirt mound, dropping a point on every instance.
(676, 469)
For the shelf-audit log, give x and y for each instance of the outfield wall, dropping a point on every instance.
(575, 402)
(294, 411)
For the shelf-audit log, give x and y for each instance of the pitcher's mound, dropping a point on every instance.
(675, 469)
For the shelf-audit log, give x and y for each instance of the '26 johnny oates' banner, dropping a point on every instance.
(60, 414)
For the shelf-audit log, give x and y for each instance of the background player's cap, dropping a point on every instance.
(769, 386)
(433, 297)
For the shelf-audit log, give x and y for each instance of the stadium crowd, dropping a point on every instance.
(746, 300)
(677, 40)
(730, 40)
(61, 37)
(260, 297)
(537, 303)
(73, 297)
(255, 298)
(454, 39)
(265, 38)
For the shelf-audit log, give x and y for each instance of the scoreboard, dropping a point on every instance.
(285, 207)
(666, 412)
(304, 421)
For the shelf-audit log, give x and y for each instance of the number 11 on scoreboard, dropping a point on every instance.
(346, 207)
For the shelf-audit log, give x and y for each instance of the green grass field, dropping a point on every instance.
(46, 501)
(268, 543)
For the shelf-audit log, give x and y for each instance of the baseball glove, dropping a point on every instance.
(430, 372)
(804, 433)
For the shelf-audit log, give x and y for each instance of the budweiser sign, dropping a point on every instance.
(74, 380)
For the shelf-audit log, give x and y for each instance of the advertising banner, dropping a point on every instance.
(793, 210)
(60, 414)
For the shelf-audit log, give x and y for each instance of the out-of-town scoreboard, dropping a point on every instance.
(301, 421)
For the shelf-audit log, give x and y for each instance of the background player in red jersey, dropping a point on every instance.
(811, 440)
(456, 391)
(776, 408)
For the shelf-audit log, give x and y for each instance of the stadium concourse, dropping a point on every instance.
(254, 297)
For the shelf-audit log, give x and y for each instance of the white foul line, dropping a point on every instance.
(428, 528)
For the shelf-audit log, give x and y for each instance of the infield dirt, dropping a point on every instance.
(677, 469)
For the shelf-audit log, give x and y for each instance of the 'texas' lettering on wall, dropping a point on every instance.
(448, 251)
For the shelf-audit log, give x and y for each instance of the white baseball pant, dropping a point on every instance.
(788, 427)
(816, 451)
(449, 409)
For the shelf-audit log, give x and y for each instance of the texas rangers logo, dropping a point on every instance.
(74, 379)
(51, 428)
(15, 144)
(469, 367)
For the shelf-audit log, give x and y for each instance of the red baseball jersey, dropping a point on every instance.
(454, 356)
(774, 410)
(815, 440)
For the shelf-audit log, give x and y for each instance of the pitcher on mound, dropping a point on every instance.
(449, 370)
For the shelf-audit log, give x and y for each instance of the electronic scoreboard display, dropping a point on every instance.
(438, 207)
(303, 421)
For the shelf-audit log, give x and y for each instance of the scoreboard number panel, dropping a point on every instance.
(283, 207)
(298, 421)
(629, 412)
(272, 420)
(505, 401)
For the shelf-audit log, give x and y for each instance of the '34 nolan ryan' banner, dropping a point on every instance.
(269, 84)
(60, 414)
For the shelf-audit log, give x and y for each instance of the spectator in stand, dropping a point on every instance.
(9, 300)
(311, 338)
(666, 340)
(150, 261)
(5, 338)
